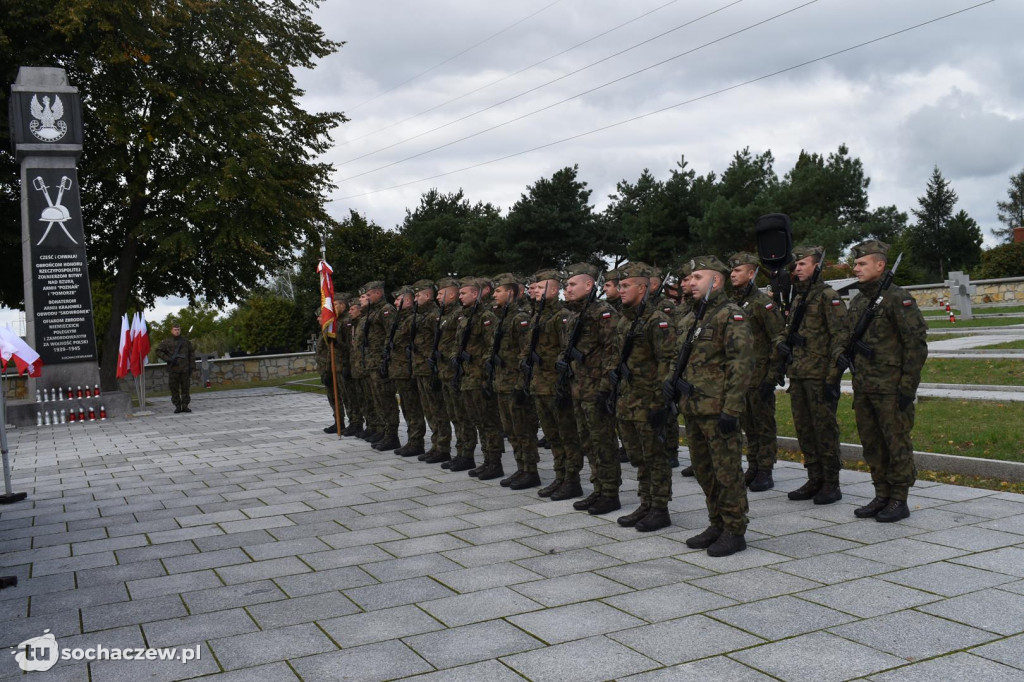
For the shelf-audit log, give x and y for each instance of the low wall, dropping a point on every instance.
(1005, 290)
(232, 371)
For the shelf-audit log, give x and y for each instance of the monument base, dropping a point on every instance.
(116, 403)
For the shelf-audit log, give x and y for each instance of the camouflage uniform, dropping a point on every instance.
(670, 432)
(481, 406)
(719, 370)
(180, 357)
(374, 424)
(897, 336)
(324, 348)
(379, 318)
(431, 398)
(400, 371)
(448, 348)
(766, 323)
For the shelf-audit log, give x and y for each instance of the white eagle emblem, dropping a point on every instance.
(47, 125)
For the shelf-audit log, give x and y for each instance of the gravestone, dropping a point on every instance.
(960, 292)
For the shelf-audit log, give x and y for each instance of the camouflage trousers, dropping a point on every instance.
(180, 384)
(485, 423)
(717, 465)
(356, 401)
(457, 412)
(432, 402)
(325, 379)
(597, 436)
(384, 403)
(884, 432)
(647, 453)
(412, 410)
(758, 422)
(817, 430)
(519, 422)
(559, 427)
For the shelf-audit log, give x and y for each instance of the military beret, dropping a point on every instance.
(446, 282)
(870, 247)
(421, 284)
(582, 269)
(636, 269)
(684, 269)
(743, 258)
(402, 291)
(612, 275)
(342, 297)
(370, 286)
(805, 250)
(506, 279)
(707, 263)
(547, 273)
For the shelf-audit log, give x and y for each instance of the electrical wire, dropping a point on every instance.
(698, 98)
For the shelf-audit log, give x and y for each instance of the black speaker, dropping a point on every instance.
(774, 240)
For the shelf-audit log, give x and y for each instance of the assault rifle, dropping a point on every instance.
(532, 357)
(571, 353)
(796, 319)
(462, 356)
(495, 361)
(675, 387)
(385, 359)
(622, 372)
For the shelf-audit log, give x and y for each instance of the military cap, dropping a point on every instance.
(370, 286)
(583, 269)
(870, 247)
(547, 273)
(805, 250)
(636, 269)
(421, 284)
(506, 279)
(708, 263)
(684, 269)
(342, 297)
(446, 282)
(402, 291)
(743, 258)
(612, 275)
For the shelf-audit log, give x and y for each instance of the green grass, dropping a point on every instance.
(973, 428)
(994, 372)
(979, 310)
(1010, 345)
(944, 323)
(251, 384)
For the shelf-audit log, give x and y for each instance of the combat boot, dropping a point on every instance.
(373, 436)
(673, 462)
(656, 519)
(585, 503)
(550, 488)
(806, 491)
(569, 489)
(727, 544)
(894, 511)
(447, 464)
(475, 471)
(427, 455)
(871, 508)
(604, 505)
(507, 481)
(705, 538)
(352, 429)
(401, 450)
(623, 457)
(438, 458)
(490, 471)
(749, 475)
(528, 479)
(378, 436)
(828, 494)
(687, 472)
(387, 443)
(333, 428)
(462, 464)
(762, 481)
(412, 450)
(543, 442)
(630, 520)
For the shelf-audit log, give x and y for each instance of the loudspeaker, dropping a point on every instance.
(774, 240)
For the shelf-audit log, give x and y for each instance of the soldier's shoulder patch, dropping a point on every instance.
(668, 309)
(663, 325)
(908, 302)
(524, 323)
(769, 306)
(606, 314)
(837, 301)
(386, 313)
(738, 317)
(487, 323)
(565, 320)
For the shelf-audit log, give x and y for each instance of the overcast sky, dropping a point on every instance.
(949, 94)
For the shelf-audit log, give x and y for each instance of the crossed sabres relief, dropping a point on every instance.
(48, 127)
(55, 212)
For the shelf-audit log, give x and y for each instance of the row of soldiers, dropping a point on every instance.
(494, 358)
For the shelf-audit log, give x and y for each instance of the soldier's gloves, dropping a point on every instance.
(562, 366)
(766, 389)
(602, 403)
(519, 396)
(727, 424)
(784, 350)
(832, 392)
(657, 417)
(904, 401)
(843, 363)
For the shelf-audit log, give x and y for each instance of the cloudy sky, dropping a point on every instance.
(949, 94)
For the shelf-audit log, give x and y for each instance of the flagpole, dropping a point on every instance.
(334, 382)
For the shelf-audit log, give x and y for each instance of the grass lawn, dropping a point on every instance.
(974, 428)
(944, 323)
(251, 384)
(1018, 344)
(994, 372)
(979, 310)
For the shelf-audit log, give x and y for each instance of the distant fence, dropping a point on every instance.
(1004, 290)
(232, 370)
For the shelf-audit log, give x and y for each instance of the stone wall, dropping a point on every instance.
(1006, 290)
(230, 371)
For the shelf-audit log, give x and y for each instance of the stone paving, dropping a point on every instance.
(286, 553)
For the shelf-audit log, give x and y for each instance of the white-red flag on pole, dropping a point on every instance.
(124, 349)
(328, 320)
(143, 340)
(136, 361)
(13, 347)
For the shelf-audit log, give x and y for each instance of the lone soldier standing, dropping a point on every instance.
(431, 398)
(885, 381)
(717, 377)
(401, 371)
(765, 322)
(812, 372)
(379, 316)
(180, 357)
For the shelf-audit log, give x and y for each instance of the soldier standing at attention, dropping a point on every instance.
(682, 310)
(342, 306)
(379, 316)
(361, 390)
(885, 382)
(758, 420)
(401, 371)
(640, 409)
(812, 372)
(518, 421)
(611, 289)
(717, 376)
(180, 357)
(451, 309)
(590, 387)
(425, 321)
(558, 422)
(323, 366)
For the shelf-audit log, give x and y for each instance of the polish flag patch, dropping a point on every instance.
(769, 306)
(737, 317)
(524, 323)
(663, 325)
(908, 303)
(386, 313)
(487, 323)
(605, 315)
(836, 301)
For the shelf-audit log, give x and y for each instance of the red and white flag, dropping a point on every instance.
(124, 350)
(13, 347)
(142, 341)
(328, 319)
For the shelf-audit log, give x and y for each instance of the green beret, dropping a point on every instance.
(370, 286)
(612, 275)
(636, 269)
(421, 284)
(342, 297)
(547, 273)
(870, 247)
(583, 269)
(805, 250)
(446, 282)
(743, 258)
(708, 263)
(402, 291)
(506, 279)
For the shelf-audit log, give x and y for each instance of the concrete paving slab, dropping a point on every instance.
(580, 661)
(912, 635)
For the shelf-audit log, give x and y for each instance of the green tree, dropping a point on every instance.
(940, 241)
(1011, 212)
(885, 223)
(746, 190)
(446, 233)
(201, 323)
(1005, 260)
(269, 324)
(199, 174)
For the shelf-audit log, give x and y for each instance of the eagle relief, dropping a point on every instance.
(47, 125)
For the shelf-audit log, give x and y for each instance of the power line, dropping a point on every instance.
(706, 95)
(511, 75)
(588, 91)
(455, 56)
(555, 80)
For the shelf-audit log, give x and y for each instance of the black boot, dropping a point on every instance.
(673, 463)
(462, 464)
(333, 428)
(490, 471)
(400, 450)
(438, 458)
(630, 520)
(352, 429)
(387, 443)
(894, 511)
(604, 505)
(687, 472)
(585, 503)
(411, 451)
(550, 488)
(806, 491)
(762, 481)
(427, 455)
(705, 539)
(569, 489)
(543, 442)
(828, 494)
(528, 479)
(623, 457)
(475, 471)
(871, 508)
(656, 519)
(749, 475)
(506, 482)
(727, 544)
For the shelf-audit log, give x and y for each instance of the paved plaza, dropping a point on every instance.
(287, 554)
